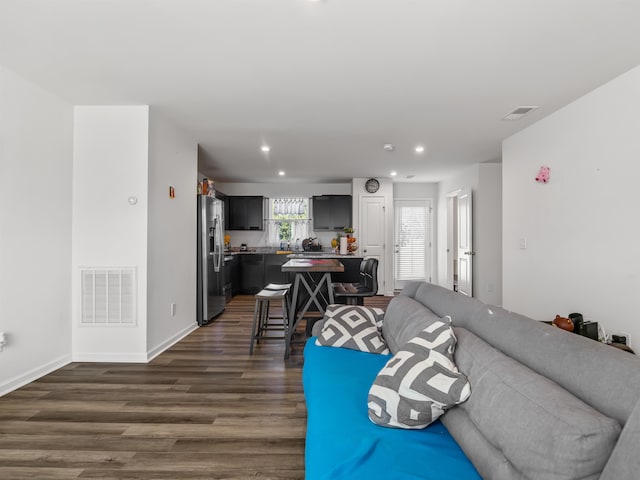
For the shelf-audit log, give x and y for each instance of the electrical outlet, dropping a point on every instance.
(173, 309)
(522, 243)
(3, 340)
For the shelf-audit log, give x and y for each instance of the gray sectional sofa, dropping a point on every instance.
(545, 403)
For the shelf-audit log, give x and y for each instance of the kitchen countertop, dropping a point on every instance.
(268, 250)
(321, 255)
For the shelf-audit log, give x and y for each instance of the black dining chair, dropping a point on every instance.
(354, 293)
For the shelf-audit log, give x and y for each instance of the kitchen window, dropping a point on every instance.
(288, 221)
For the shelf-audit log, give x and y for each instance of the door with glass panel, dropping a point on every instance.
(412, 253)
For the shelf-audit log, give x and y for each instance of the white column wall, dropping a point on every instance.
(110, 164)
(35, 230)
(488, 234)
(579, 225)
(173, 158)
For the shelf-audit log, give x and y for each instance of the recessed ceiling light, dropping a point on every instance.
(393, 174)
(389, 147)
(265, 148)
(419, 148)
(281, 173)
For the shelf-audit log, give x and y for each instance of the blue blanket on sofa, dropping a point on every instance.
(342, 443)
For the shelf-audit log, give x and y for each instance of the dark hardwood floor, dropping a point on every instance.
(203, 409)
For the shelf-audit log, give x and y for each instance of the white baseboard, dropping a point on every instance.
(125, 357)
(154, 352)
(133, 357)
(33, 374)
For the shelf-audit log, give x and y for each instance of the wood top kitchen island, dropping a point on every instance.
(315, 276)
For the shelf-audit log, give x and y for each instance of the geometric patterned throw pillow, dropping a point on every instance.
(420, 382)
(354, 327)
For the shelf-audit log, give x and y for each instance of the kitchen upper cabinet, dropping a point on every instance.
(331, 212)
(245, 213)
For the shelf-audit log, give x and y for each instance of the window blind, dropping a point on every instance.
(411, 231)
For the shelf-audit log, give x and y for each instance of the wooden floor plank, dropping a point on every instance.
(204, 409)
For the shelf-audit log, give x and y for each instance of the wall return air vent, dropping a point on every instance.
(108, 296)
(519, 112)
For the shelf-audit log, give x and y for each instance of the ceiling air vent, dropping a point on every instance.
(519, 112)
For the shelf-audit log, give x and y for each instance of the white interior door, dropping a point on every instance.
(452, 242)
(412, 246)
(372, 232)
(465, 245)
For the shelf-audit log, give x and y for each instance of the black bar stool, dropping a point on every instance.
(354, 293)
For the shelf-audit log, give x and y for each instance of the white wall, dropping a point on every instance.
(171, 276)
(488, 234)
(407, 191)
(110, 164)
(272, 190)
(35, 230)
(484, 180)
(579, 225)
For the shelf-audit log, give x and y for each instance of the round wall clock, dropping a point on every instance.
(372, 185)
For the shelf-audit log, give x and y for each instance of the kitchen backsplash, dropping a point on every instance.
(260, 239)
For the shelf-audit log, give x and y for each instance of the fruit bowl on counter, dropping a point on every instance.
(352, 245)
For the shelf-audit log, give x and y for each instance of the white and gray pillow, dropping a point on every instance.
(420, 382)
(354, 327)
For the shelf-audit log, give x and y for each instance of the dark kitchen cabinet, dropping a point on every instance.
(322, 215)
(245, 213)
(342, 205)
(251, 273)
(273, 269)
(232, 273)
(331, 212)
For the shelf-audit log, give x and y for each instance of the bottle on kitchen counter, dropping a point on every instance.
(297, 244)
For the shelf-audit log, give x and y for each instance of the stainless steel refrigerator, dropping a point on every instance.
(210, 266)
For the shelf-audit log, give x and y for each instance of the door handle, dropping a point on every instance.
(469, 253)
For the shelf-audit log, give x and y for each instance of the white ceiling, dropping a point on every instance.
(327, 83)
